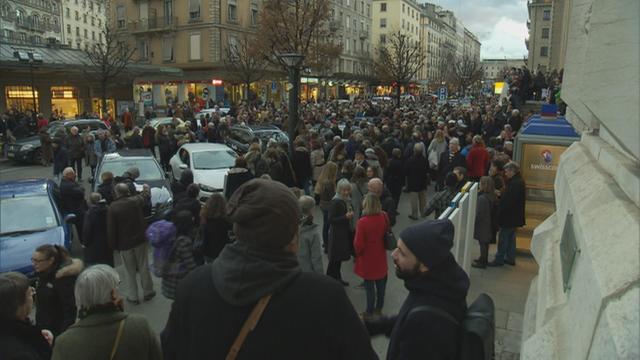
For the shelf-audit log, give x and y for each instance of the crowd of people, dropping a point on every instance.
(258, 245)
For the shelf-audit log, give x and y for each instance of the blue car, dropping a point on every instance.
(29, 217)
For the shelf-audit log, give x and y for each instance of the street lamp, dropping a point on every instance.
(293, 62)
(30, 58)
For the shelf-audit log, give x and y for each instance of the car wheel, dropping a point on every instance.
(37, 156)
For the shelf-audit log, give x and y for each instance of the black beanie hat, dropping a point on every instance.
(430, 241)
(264, 213)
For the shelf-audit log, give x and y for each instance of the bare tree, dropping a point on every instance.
(398, 60)
(107, 60)
(246, 62)
(465, 71)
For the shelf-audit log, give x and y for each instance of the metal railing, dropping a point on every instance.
(154, 24)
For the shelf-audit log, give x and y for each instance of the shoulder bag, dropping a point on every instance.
(114, 349)
(248, 326)
(390, 242)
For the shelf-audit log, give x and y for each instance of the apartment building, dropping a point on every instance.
(192, 35)
(352, 25)
(494, 68)
(390, 16)
(83, 22)
(30, 22)
(548, 31)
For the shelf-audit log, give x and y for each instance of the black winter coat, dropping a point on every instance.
(75, 146)
(106, 190)
(340, 240)
(416, 170)
(294, 325)
(512, 203)
(72, 198)
(301, 163)
(55, 300)
(446, 165)
(60, 160)
(423, 334)
(235, 179)
(19, 340)
(94, 234)
(214, 235)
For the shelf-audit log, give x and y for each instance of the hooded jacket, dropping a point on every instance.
(55, 300)
(310, 247)
(94, 233)
(220, 296)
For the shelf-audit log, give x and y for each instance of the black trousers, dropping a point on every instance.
(333, 269)
(76, 164)
(484, 252)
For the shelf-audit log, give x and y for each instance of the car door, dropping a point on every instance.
(180, 162)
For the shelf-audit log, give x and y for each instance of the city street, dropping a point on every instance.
(508, 286)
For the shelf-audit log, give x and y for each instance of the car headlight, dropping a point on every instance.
(207, 188)
(26, 147)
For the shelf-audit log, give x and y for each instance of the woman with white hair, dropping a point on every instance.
(340, 246)
(104, 330)
(310, 240)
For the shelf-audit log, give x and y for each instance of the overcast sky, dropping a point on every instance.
(501, 25)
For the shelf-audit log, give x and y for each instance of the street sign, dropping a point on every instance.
(443, 94)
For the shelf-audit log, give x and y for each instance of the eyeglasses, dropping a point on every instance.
(38, 261)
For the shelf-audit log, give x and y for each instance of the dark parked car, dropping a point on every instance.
(28, 149)
(29, 217)
(241, 137)
(150, 173)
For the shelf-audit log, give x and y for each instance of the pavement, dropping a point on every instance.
(507, 285)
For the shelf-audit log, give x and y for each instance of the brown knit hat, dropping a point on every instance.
(264, 213)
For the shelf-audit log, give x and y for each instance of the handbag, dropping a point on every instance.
(390, 242)
(248, 326)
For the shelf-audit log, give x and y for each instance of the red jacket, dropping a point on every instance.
(477, 161)
(42, 122)
(371, 256)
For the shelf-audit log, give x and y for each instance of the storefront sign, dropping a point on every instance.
(539, 165)
(216, 82)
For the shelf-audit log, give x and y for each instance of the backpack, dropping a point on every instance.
(162, 237)
(261, 166)
(477, 331)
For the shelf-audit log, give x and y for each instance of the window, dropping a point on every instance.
(120, 17)
(167, 49)
(383, 7)
(77, 31)
(68, 29)
(362, 7)
(91, 5)
(355, 45)
(194, 9)
(86, 34)
(254, 14)
(383, 22)
(99, 23)
(67, 12)
(84, 18)
(348, 3)
(93, 21)
(347, 45)
(402, 24)
(77, 15)
(544, 51)
(143, 49)
(546, 15)
(383, 39)
(545, 33)
(194, 46)
(100, 36)
(368, 10)
(348, 21)
(403, 8)
(93, 35)
(233, 45)
(232, 11)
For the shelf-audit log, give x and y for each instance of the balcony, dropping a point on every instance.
(157, 24)
(364, 34)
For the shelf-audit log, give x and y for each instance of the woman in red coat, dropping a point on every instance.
(371, 256)
(477, 159)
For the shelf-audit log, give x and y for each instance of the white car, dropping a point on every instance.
(209, 163)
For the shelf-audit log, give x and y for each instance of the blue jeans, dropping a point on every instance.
(506, 246)
(375, 294)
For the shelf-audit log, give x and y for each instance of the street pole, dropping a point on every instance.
(33, 88)
(294, 96)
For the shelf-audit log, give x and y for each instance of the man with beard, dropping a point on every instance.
(437, 290)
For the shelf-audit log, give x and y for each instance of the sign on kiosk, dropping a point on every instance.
(539, 165)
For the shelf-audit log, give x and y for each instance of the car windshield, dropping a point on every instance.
(209, 160)
(149, 169)
(28, 214)
(93, 126)
(242, 136)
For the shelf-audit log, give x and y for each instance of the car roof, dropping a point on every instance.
(164, 118)
(130, 153)
(263, 127)
(24, 187)
(196, 147)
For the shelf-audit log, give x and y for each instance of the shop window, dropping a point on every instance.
(64, 100)
(194, 46)
(194, 10)
(21, 97)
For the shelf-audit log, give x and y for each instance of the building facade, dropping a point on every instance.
(83, 22)
(390, 16)
(30, 22)
(494, 69)
(548, 31)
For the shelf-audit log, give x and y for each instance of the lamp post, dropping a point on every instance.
(293, 62)
(30, 58)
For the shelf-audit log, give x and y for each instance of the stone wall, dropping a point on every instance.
(597, 314)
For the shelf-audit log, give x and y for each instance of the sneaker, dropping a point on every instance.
(149, 296)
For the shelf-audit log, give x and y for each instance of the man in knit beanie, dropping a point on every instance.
(432, 276)
(307, 315)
